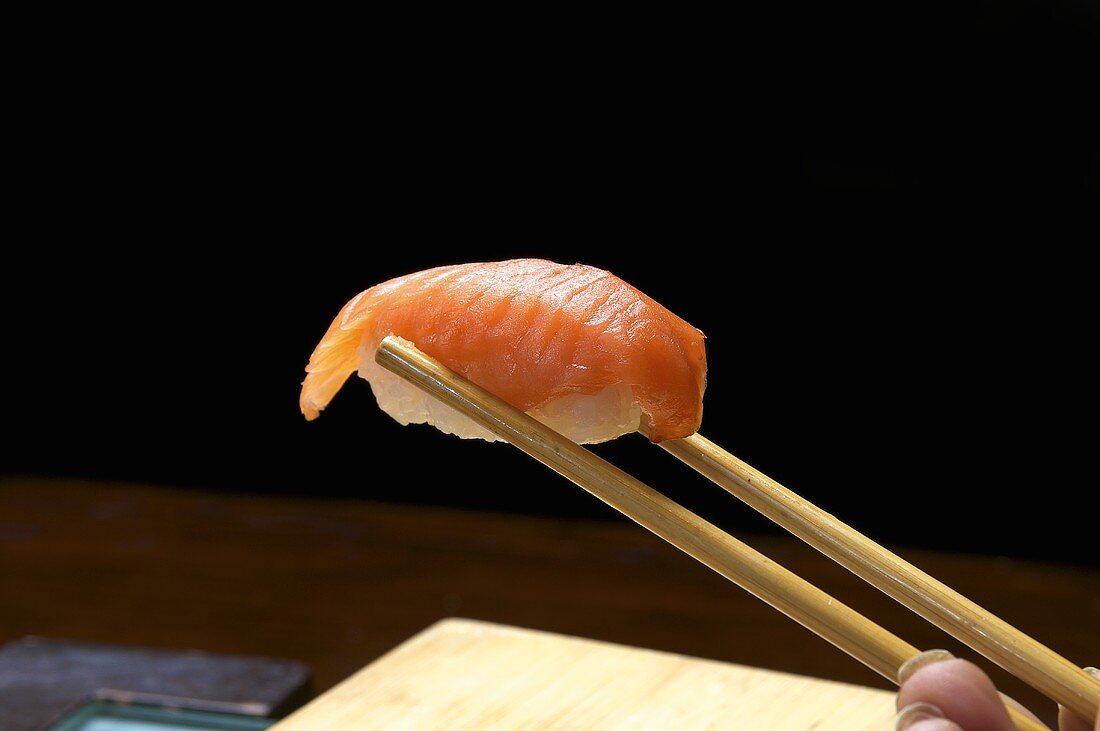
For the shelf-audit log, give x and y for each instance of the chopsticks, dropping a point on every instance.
(1019, 654)
(814, 609)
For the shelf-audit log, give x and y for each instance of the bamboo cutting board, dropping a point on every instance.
(462, 674)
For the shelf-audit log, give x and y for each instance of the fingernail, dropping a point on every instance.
(916, 712)
(915, 663)
(1093, 671)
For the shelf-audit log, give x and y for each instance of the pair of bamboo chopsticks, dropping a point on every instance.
(806, 604)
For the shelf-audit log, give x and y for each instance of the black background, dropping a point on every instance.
(873, 213)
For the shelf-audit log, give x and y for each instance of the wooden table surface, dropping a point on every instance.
(465, 675)
(335, 583)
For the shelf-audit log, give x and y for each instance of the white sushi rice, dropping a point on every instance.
(585, 419)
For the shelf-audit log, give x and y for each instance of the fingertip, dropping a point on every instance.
(935, 724)
(1070, 721)
(914, 713)
(923, 717)
(929, 657)
(961, 690)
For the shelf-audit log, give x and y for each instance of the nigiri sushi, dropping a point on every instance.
(573, 346)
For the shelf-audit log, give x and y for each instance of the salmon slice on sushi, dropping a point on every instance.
(573, 346)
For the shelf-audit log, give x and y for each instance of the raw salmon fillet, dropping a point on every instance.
(563, 343)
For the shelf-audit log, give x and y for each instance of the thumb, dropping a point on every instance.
(959, 689)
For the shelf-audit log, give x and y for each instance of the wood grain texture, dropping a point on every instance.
(336, 583)
(472, 675)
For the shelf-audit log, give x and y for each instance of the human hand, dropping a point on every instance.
(941, 693)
